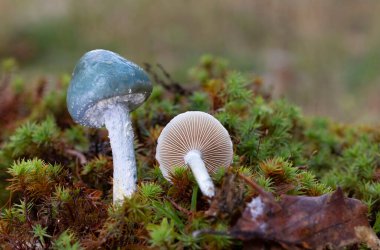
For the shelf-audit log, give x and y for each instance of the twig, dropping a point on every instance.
(253, 184)
(264, 195)
(82, 160)
(167, 75)
(201, 232)
(178, 207)
(79, 155)
(169, 84)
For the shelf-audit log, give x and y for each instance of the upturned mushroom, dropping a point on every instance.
(104, 89)
(197, 140)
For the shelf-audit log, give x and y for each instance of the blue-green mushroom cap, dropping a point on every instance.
(102, 79)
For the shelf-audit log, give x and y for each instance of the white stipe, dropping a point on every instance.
(119, 126)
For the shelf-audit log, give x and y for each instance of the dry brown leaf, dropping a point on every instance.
(301, 222)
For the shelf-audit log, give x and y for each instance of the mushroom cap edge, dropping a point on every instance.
(102, 78)
(227, 147)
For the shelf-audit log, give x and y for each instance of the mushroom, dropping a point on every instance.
(104, 89)
(198, 140)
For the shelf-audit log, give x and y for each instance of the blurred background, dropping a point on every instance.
(322, 55)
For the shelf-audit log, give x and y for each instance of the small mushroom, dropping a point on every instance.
(104, 89)
(198, 140)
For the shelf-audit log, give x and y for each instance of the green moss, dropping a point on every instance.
(66, 241)
(60, 174)
(162, 235)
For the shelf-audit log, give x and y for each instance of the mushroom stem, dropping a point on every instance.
(194, 160)
(119, 126)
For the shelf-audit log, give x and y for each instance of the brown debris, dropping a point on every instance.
(8, 106)
(329, 221)
(179, 207)
(228, 200)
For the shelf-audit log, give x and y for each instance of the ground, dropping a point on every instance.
(58, 174)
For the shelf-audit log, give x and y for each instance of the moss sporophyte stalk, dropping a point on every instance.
(57, 176)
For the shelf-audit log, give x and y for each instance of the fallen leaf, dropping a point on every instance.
(300, 222)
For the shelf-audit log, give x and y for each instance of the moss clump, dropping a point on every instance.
(59, 174)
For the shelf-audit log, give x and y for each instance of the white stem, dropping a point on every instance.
(194, 160)
(119, 126)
